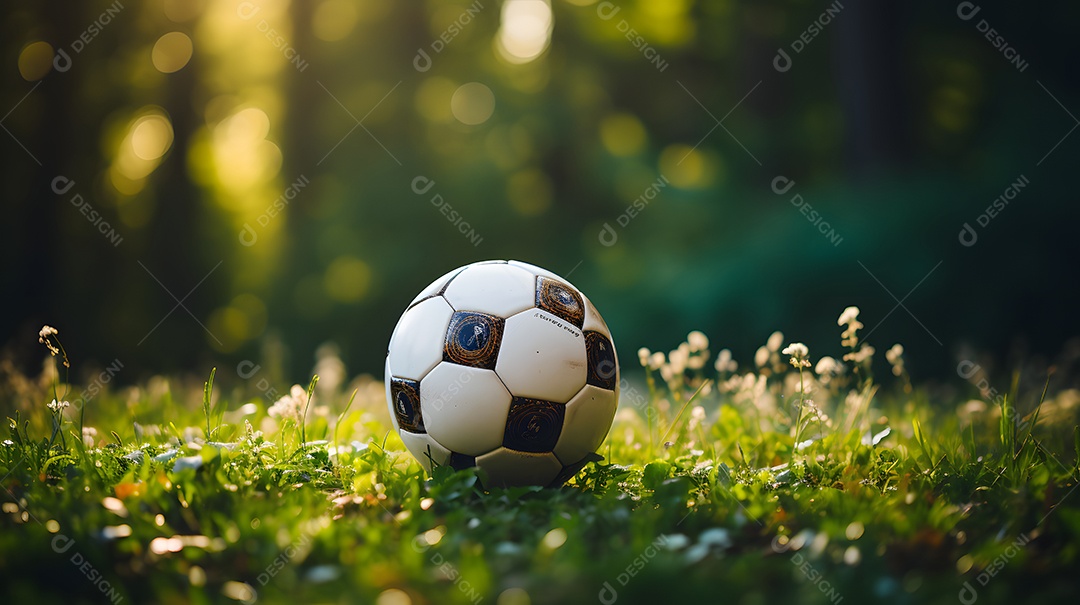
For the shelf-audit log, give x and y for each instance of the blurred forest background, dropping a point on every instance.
(295, 172)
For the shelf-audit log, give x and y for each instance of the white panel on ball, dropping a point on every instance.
(435, 286)
(509, 468)
(537, 270)
(418, 444)
(593, 321)
(542, 357)
(464, 408)
(496, 289)
(417, 343)
(588, 418)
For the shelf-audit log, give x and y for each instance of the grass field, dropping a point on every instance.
(789, 479)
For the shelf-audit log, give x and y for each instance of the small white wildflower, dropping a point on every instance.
(696, 416)
(724, 362)
(849, 315)
(796, 349)
(656, 361)
(643, 356)
(798, 352)
(291, 406)
(665, 372)
(775, 340)
(329, 367)
(896, 359)
(826, 366)
(761, 357)
(864, 353)
(89, 435)
(697, 341)
(679, 358)
(58, 406)
(813, 411)
(43, 337)
(45, 332)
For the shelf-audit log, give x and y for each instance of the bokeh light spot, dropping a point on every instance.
(622, 134)
(229, 328)
(393, 596)
(513, 596)
(148, 138)
(554, 538)
(472, 103)
(525, 31)
(122, 183)
(243, 157)
(433, 99)
(951, 108)
(35, 60)
(151, 137)
(686, 167)
(334, 20)
(347, 279)
(249, 123)
(254, 311)
(171, 52)
(530, 192)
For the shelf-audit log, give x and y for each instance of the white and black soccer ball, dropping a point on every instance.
(504, 366)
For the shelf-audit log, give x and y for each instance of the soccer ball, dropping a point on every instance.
(504, 366)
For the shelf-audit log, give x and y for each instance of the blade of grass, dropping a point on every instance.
(683, 408)
(208, 390)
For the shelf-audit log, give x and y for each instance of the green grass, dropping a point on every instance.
(895, 495)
